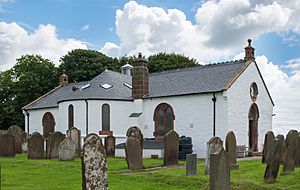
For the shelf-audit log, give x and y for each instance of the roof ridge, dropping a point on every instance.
(198, 67)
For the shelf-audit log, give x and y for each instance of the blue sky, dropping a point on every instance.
(209, 31)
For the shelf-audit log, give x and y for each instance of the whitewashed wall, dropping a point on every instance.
(36, 118)
(239, 103)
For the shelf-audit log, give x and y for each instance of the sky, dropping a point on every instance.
(209, 31)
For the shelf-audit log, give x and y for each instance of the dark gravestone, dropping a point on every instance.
(171, 148)
(75, 135)
(298, 151)
(191, 164)
(269, 138)
(7, 145)
(110, 143)
(35, 146)
(20, 137)
(230, 144)
(94, 164)
(282, 144)
(272, 168)
(215, 144)
(219, 170)
(53, 144)
(134, 149)
(290, 152)
(67, 150)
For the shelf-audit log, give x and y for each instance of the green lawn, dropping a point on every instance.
(20, 173)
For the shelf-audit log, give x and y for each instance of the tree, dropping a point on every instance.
(31, 77)
(83, 65)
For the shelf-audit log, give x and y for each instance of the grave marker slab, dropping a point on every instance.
(191, 164)
(35, 146)
(171, 148)
(134, 149)
(215, 144)
(269, 138)
(7, 145)
(110, 143)
(53, 144)
(230, 145)
(282, 144)
(298, 151)
(20, 137)
(290, 152)
(67, 149)
(94, 164)
(75, 135)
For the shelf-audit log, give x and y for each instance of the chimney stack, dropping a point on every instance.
(249, 51)
(140, 77)
(63, 79)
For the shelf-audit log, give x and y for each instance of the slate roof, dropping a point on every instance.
(195, 80)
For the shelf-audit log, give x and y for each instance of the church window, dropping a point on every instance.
(163, 120)
(71, 116)
(253, 91)
(105, 117)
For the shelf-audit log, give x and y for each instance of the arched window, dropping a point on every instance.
(253, 91)
(48, 124)
(253, 117)
(105, 117)
(163, 120)
(71, 116)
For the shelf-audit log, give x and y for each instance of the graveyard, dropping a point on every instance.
(21, 173)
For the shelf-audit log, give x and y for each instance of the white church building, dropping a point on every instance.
(198, 102)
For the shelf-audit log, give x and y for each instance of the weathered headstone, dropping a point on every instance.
(134, 149)
(53, 144)
(269, 138)
(230, 145)
(35, 146)
(110, 143)
(282, 144)
(272, 168)
(215, 144)
(75, 135)
(191, 164)
(94, 164)
(171, 148)
(298, 151)
(20, 137)
(219, 170)
(290, 152)
(7, 145)
(67, 150)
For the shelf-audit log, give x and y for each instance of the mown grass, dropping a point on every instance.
(22, 174)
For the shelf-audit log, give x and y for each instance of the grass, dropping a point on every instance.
(22, 174)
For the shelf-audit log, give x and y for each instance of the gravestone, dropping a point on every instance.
(94, 164)
(298, 151)
(134, 149)
(7, 145)
(191, 164)
(273, 165)
(35, 146)
(67, 150)
(20, 137)
(75, 135)
(269, 138)
(110, 143)
(282, 144)
(90, 134)
(230, 145)
(219, 170)
(53, 144)
(290, 152)
(171, 148)
(215, 144)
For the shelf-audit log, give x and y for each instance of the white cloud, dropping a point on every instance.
(85, 27)
(16, 41)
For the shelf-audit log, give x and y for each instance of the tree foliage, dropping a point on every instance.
(83, 65)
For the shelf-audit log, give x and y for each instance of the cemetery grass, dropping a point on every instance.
(20, 174)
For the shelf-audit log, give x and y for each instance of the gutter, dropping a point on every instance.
(214, 99)
(86, 117)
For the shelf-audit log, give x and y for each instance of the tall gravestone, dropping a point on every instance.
(215, 144)
(110, 143)
(53, 144)
(219, 170)
(134, 148)
(290, 152)
(298, 151)
(7, 145)
(20, 137)
(230, 145)
(273, 165)
(67, 150)
(94, 164)
(269, 138)
(35, 146)
(171, 148)
(191, 164)
(75, 135)
(281, 143)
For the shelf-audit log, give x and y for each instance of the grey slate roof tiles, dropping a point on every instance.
(201, 79)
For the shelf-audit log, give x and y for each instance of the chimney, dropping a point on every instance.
(63, 79)
(140, 77)
(249, 51)
(126, 69)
